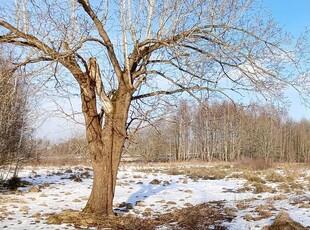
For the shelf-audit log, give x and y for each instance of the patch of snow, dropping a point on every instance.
(27, 210)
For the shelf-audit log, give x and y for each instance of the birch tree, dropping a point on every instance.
(127, 54)
(15, 131)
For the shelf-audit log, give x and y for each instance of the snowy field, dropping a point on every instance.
(152, 190)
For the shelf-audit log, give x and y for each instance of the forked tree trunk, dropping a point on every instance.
(105, 146)
(105, 164)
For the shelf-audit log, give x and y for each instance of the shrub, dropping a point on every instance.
(261, 188)
(274, 176)
(206, 173)
(255, 164)
(284, 187)
(250, 176)
(295, 185)
(175, 171)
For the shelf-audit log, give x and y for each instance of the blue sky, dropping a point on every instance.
(294, 17)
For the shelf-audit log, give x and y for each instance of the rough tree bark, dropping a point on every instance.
(105, 143)
(106, 147)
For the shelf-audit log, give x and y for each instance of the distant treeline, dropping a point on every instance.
(15, 129)
(217, 131)
(226, 132)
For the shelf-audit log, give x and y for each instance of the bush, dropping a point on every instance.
(206, 173)
(261, 188)
(251, 177)
(255, 164)
(274, 177)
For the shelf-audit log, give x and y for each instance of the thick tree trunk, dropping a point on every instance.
(100, 201)
(106, 146)
(105, 164)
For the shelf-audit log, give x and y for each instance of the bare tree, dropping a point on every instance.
(68, 152)
(151, 144)
(15, 130)
(146, 50)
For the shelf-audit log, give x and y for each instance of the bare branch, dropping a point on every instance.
(86, 6)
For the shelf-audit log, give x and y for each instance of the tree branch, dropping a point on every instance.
(164, 92)
(31, 41)
(103, 34)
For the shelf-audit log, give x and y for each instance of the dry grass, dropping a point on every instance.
(252, 177)
(59, 161)
(256, 188)
(257, 164)
(201, 216)
(284, 222)
(284, 188)
(242, 204)
(78, 219)
(261, 188)
(274, 176)
(292, 174)
(285, 177)
(199, 171)
(205, 173)
(245, 188)
(277, 197)
(257, 179)
(198, 217)
(262, 212)
(175, 171)
(296, 186)
(295, 166)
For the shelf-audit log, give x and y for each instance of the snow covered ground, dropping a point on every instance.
(150, 193)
